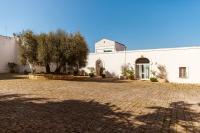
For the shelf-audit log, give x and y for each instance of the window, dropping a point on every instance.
(107, 50)
(182, 72)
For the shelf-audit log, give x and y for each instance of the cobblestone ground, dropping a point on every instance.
(54, 106)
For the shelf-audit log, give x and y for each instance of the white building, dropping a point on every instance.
(105, 45)
(181, 64)
(8, 52)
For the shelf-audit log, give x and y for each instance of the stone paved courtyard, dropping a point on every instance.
(55, 106)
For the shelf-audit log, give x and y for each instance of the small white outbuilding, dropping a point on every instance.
(105, 45)
(181, 64)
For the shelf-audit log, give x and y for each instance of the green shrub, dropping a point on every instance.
(12, 67)
(153, 79)
(26, 72)
(76, 72)
(91, 75)
(103, 75)
(92, 71)
(128, 71)
(131, 77)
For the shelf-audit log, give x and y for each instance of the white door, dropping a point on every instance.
(142, 71)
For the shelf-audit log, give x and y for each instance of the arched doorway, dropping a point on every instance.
(142, 68)
(99, 67)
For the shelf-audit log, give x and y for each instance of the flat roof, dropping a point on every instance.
(165, 49)
(156, 49)
(6, 36)
(112, 41)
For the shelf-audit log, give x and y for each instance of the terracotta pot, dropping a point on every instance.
(123, 77)
(162, 80)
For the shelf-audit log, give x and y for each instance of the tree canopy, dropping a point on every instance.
(65, 50)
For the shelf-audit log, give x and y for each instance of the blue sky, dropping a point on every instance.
(139, 24)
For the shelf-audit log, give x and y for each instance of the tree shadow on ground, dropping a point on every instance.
(9, 76)
(21, 114)
(178, 117)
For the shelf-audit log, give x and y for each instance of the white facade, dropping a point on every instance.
(105, 46)
(113, 56)
(8, 52)
(172, 58)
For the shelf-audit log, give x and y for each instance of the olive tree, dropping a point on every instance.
(59, 47)
(28, 49)
(70, 50)
(45, 50)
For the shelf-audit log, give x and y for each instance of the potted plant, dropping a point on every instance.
(92, 71)
(103, 73)
(127, 72)
(130, 73)
(124, 72)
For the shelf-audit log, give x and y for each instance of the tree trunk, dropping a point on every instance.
(58, 69)
(48, 68)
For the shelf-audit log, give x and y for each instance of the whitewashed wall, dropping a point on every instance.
(172, 58)
(8, 52)
(105, 44)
